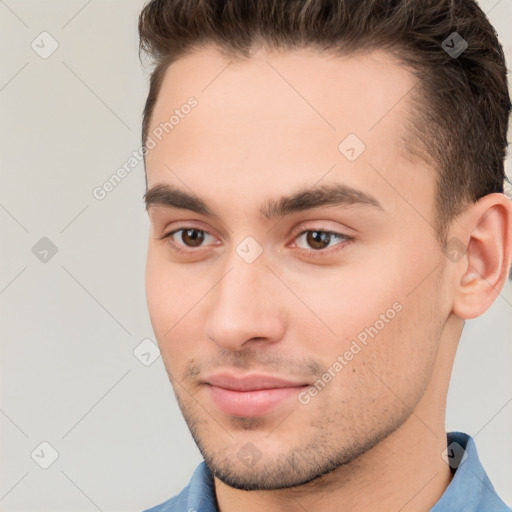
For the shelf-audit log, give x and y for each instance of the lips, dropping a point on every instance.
(250, 395)
(250, 382)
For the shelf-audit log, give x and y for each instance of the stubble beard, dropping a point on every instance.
(325, 450)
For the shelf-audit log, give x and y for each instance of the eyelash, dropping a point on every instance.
(321, 253)
(178, 248)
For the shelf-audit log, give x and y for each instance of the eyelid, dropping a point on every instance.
(185, 228)
(324, 252)
(183, 225)
(320, 226)
(345, 240)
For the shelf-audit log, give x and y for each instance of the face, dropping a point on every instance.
(294, 280)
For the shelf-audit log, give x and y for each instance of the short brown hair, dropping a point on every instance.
(464, 104)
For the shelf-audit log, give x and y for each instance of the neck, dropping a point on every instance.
(404, 472)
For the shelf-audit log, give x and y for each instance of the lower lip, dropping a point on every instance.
(251, 403)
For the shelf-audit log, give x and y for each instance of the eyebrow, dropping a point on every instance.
(306, 199)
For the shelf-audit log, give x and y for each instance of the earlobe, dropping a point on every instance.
(486, 228)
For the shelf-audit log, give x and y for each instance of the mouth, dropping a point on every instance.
(250, 395)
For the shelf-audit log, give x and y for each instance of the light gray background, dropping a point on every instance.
(69, 326)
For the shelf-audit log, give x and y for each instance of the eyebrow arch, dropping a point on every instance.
(327, 195)
(335, 194)
(172, 197)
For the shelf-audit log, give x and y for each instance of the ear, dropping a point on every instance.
(481, 247)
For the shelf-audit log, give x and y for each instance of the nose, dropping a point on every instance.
(246, 308)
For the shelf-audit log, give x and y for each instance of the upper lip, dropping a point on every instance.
(250, 382)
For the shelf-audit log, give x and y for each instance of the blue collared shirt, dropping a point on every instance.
(469, 491)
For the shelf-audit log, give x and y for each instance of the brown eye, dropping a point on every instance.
(192, 237)
(190, 240)
(314, 240)
(318, 239)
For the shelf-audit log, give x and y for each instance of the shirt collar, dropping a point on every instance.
(469, 491)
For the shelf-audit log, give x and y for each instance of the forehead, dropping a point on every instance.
(280, 116)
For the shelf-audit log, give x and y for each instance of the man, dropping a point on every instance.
(325, 190)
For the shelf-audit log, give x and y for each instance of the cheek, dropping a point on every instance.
(375, 323)
(167, 294)
(345, 305)
(173, 307)
(157, 290)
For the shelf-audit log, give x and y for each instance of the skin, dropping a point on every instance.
(264, 128)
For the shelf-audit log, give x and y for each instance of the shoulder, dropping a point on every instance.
(197, 496)
(178, 502)
(470, 489)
